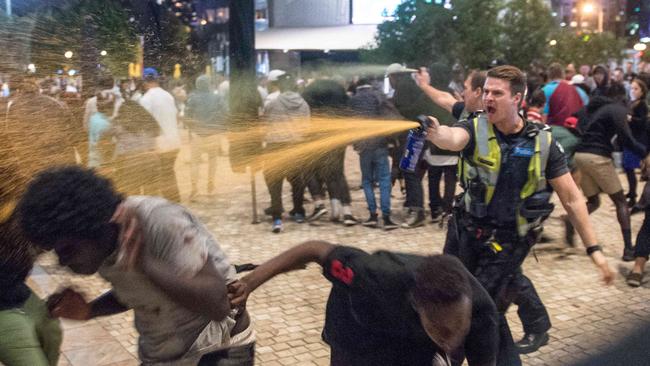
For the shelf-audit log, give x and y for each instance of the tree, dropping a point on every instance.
(585, 48)
(527, 25)
(422, 33)
(85, 28)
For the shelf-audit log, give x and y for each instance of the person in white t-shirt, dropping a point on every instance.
(162, 107)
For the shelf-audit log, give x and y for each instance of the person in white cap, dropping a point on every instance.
(273, 86)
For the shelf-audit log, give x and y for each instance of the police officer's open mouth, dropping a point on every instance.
(490, 109)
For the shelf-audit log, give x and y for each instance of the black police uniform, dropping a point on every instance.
(470, 238)
(370, 319)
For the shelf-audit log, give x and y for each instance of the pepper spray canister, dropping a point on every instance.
(415, 143)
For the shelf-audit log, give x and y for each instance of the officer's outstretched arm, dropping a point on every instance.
(575, 206)
(447, 138)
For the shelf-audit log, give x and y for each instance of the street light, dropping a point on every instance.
(553, 42)
(68, 54)
(103, 53)
(640, 47)
(588, 8)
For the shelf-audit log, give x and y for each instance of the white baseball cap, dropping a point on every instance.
(274, 75)
(398, 68)
(577, 79)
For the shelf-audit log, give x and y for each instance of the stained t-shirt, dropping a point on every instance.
(369, 312)
(170, 334)
(516, 152)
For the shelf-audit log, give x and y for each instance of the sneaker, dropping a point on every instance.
(349, 220)
(628, 254)
(371, 222)
(299, 218)
(319, 211)
(277, 226)
(389, 224)
(634, 279)
(416, 218)
(569, 232)
(531, 342)
(436, 215)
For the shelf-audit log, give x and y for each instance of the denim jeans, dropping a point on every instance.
(375, 168)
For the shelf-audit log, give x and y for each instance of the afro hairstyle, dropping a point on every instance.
(441, 280)
(67, 202)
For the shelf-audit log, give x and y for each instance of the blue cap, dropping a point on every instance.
(150, 73)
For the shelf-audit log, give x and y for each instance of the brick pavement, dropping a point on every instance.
(289, 310)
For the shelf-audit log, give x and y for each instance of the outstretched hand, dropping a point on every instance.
(68, 304)
(422, 77)
(238, 293)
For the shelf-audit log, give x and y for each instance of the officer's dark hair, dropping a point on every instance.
(440, 280)
(555, 71)
(512, 74)
(67, 202)
(477, 79)
(537, 98)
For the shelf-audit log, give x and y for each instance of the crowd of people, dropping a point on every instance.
(508, 139)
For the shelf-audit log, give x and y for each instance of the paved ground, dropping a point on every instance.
(288, 311)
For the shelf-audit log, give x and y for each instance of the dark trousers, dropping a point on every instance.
(500, 274)
(168, 182)
(399, 354)
(274, 179)
(234, 356)
(642, 248)
(450, 179)
(329, 170)
(414, 190)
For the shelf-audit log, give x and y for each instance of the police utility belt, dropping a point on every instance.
(479, 174)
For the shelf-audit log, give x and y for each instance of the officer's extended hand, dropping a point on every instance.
(422, 77)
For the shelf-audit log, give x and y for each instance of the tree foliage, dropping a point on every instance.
(422, 33)
(585, 49)
(88, 27)
(527, 25)
(476, 33)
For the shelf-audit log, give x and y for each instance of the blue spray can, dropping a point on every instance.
(415, 143)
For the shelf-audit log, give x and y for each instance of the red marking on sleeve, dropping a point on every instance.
(341, 273)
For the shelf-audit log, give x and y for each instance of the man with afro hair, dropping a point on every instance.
(392, 309)
(159, 258)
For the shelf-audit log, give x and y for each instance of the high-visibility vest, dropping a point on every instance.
(485, 164)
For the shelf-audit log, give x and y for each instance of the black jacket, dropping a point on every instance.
(605, 119)
(367, 103)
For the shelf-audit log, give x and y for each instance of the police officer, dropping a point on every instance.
(532, 312)
(505, 165)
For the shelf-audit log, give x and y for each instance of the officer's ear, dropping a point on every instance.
(519, 98)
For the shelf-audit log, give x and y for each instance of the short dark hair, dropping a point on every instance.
(538, 98)
(441, 280)
(67, 202)
(512, 74)
(477, 79)
(555, 71)
(617, 91)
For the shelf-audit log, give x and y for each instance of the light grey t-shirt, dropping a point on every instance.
(169, 333)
